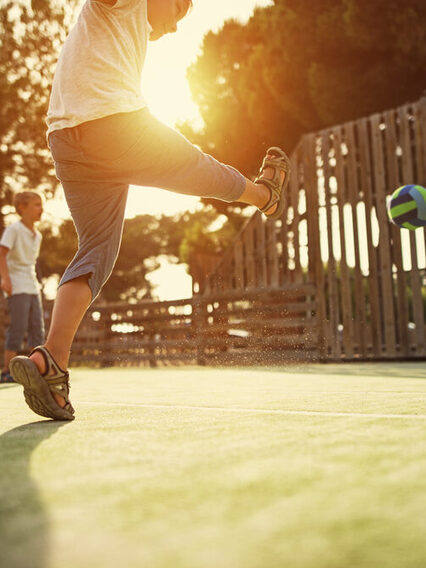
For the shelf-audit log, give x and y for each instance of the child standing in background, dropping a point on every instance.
(103, 138)
(19, 249)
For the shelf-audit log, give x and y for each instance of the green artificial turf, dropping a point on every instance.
(304, 467)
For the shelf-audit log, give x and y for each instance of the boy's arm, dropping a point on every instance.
(6, 284)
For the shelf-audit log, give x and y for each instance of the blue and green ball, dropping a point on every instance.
(407, 207)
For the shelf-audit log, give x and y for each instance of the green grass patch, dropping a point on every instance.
(303, 467)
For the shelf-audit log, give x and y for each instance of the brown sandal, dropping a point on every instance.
(280, 163)
(39, 389)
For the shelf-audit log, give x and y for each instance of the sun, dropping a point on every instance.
(167, 94)
(164, 83)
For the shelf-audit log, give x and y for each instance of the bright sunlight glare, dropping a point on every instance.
(168, 96)
(167, 92)
(164, 81)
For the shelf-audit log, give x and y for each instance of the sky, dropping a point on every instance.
(167, 93)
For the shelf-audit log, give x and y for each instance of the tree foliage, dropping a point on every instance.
(299, 66)
(31, 34)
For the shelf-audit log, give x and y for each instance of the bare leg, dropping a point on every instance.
(8, 355)
(71, 304)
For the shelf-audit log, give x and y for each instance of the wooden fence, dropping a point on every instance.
(331, 280)
(272, 326)
(335, 236)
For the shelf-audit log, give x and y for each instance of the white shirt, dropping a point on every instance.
(100, 66)
(24, 247)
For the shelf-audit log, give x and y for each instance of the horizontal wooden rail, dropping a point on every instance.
(220, 329)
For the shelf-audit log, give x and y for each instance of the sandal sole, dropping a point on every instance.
(36, 391)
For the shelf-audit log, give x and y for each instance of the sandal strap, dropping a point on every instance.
(274, 163)
(51, 365)
(273, 196)
(58, 380)
(279, 163)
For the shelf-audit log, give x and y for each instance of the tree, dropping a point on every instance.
(31, 34)
(299, 66)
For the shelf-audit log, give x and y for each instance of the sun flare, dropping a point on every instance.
(168, 96)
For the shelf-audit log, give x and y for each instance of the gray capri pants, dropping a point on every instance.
(26, 316)
(97, 161)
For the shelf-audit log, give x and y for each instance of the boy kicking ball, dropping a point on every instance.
(103, 138)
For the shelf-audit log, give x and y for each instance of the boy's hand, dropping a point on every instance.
(6, 286)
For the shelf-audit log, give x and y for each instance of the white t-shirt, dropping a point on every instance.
(100, 66)
(24, 247)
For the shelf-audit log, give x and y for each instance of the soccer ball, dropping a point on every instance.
(407, 207)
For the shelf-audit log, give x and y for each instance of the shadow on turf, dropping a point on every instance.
(24, 525)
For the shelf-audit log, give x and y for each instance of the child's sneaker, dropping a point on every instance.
(6, 377)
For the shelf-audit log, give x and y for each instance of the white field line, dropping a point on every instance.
(257, 410)
(364, 392)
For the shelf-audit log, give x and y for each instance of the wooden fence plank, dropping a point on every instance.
(366, 174)
(354, 199)
(345, 280)
(384, 238)
(407, 157)
(315, 270)
(394, 180)
(418, 309)
(297, 275)
(408, 172)
(333, 294)
(420, 143)
(284, 268)
(420, 139)
(260, 252)
(239, 266)
(249, 256)
(272, 253)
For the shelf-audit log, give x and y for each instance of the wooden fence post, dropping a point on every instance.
(199, 321)
(316, 268)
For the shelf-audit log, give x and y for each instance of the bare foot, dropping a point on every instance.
(268, 173)
(38, 360)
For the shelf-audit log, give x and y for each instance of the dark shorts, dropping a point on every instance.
(25, 317)
(98, 160)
